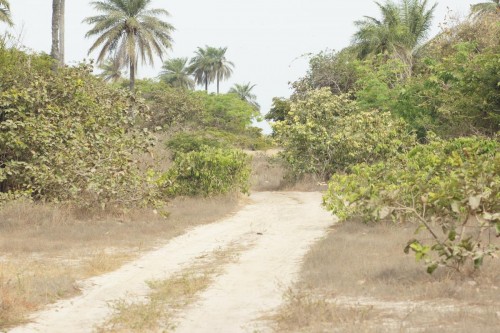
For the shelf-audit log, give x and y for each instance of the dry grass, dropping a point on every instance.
(359, 266)
(45, 249)
(270, 174)
(168, 297)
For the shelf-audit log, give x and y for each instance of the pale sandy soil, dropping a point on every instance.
(276, 229)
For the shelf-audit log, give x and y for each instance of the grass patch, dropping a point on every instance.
(359, 266)
(157, 312)
(45, 249)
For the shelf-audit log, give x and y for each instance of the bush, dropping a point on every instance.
(449, 188)
(207, 172)
(65, 136)
(195, 141)
(325, 133)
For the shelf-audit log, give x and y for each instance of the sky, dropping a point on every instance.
(269, 41)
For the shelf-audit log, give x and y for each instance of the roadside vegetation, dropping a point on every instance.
(96, 168)
(405, 131)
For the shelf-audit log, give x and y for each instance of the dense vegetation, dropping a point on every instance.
(67, 136)
(406, 131)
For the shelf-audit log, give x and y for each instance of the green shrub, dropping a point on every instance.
(325, 133)
(194, 141)
(449, 188)
(65, 136)
(207, 172)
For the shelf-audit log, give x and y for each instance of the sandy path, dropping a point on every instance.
(280, 226)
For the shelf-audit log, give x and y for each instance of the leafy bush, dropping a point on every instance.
(195, 141)
(226, 112)
(65, 136)
(450, 188)
(325, 133)
(171, 107)
(207, 172)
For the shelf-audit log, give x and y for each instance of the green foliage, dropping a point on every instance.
(170, 108)
(65, 136)
(209, 171)
(194, 141)
(449, 188)
(331, 69)
(226, 112)
(325, 133)
(279, 109)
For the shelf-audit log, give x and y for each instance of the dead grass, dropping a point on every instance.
(46, 249)
(270, 174)
(158, 311)
(358, 266)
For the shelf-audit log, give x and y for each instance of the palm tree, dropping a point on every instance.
(244, 91)
(177, 74)
(493, 6)
(202, 66)
(401, 30)
(222, 67)
(129, 30)
(57, 51)
(111, 70)
(5, 12)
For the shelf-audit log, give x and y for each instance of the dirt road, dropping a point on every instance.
(276, 229)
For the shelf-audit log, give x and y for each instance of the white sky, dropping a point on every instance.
(266, 39)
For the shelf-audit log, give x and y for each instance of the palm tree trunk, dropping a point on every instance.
(132, 74)
(57, 51)
(61, 31)
(206, 85)
(217, 84)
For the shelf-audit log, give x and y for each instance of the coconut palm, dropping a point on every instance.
(129, 30)
(222, 67)
(210, 64)
(111, 70)
(177, 73)
(57, 50)
(244, 91)
(400, 31)
(492, 6)
(5, 12)
(202, 66)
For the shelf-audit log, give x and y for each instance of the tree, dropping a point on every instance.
(5, 12)
(223, 68)
(129, 30)
(401, 30)
(244, 92)
(177, 74)
(111, 70)
(492, 6)
(57, 51)
(201, 66)
(279, 110)
(210, 64)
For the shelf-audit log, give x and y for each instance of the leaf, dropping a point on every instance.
(478, 262)
(432, 268)
(474, 202)
(452, 235)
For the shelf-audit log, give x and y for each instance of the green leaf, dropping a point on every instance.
(432, 268)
